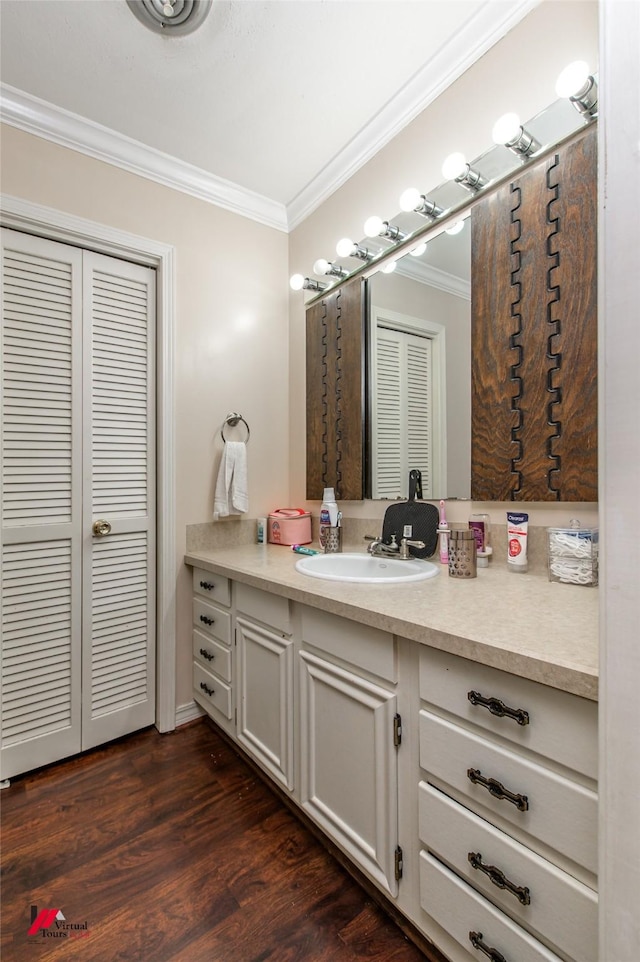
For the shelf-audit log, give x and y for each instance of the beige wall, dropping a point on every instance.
(518, 73)
(231, 337)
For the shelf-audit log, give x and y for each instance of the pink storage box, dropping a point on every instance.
(289, 526)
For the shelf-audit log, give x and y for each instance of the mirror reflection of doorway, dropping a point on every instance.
(408, 404)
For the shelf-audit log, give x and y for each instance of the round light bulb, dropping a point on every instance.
(389, 267)
(419, 250)
(321, 266)
(410, 199)
(506, 129)
(454, 166)
(572, 78)
(373, 226)
(455, 228)
(345, 247)
(296, 282)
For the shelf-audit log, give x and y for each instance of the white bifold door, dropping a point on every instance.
(78, 500)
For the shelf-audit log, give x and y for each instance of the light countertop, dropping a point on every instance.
(520, 623)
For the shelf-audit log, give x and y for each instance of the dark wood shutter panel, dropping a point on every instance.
(534, 333)
(335, 393)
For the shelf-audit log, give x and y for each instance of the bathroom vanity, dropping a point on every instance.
(443, 735)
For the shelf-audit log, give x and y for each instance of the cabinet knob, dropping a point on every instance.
(206, 689)
(206, 654)
(207, 585)
(207, 621)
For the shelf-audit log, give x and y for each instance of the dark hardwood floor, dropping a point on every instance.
(169, 848)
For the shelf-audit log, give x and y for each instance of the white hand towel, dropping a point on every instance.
(231, 494)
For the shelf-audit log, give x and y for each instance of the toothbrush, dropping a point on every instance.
(443, 528)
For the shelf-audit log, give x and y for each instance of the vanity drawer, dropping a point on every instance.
(561, 813)
(271, 610)
(214, 656)
(214, 621)
(359, 645)
(209, 585)
(559, 725)
(461, 911)
(211, 691)
(560, 907)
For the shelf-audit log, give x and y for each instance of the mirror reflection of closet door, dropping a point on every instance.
(78, 598)
(407, 405)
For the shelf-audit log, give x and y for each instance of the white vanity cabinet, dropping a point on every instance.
(348, 735)
(265, 660)
(507, 813)
(212, 651)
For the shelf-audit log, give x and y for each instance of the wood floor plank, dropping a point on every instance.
(172, 849)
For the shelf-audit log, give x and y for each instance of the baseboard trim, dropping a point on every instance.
(188, 713)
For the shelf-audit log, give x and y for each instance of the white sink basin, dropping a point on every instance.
(365, 568)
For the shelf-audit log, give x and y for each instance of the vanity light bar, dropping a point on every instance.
(324, 267)
(508, 131)
(376, 227)
(298, 282)
(413, 200)
(457, 169)
(348, 248)
(580, 87)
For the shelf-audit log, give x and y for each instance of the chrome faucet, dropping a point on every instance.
(380, 549)
(407, 543)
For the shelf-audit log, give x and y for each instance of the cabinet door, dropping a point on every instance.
(265, 724)
(349, 777)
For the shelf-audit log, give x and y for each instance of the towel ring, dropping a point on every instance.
(233, 419)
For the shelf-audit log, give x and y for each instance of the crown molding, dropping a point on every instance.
(489, 25)
(432, 276)
(66, 129)
(35, 116)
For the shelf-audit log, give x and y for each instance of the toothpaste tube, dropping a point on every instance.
(298, 548)
(517, 532)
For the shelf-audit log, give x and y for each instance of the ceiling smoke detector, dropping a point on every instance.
(171, 17)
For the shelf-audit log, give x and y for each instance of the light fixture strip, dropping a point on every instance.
(427, 230)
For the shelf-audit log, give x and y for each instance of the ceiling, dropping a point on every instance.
(271, 105)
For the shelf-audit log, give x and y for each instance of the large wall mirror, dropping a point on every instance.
(430, 395)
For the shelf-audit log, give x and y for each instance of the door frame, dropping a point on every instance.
(52, 224)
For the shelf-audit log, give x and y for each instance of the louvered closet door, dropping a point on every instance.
(119, 488)
(78, 639)
(41, 501)
(402, 413)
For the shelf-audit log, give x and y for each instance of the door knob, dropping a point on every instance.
(100, 528)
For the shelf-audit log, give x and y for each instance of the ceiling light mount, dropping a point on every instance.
(170, 17)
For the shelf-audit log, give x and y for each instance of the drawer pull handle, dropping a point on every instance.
(206, 689)
(206, 654)
(476, 940)
(497, 789)
(207, 585)
(497, 707)
(498, 878)
(207, 621)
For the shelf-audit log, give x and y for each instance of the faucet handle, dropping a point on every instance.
(407, 543)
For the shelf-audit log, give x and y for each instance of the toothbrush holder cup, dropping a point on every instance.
(333, 540)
